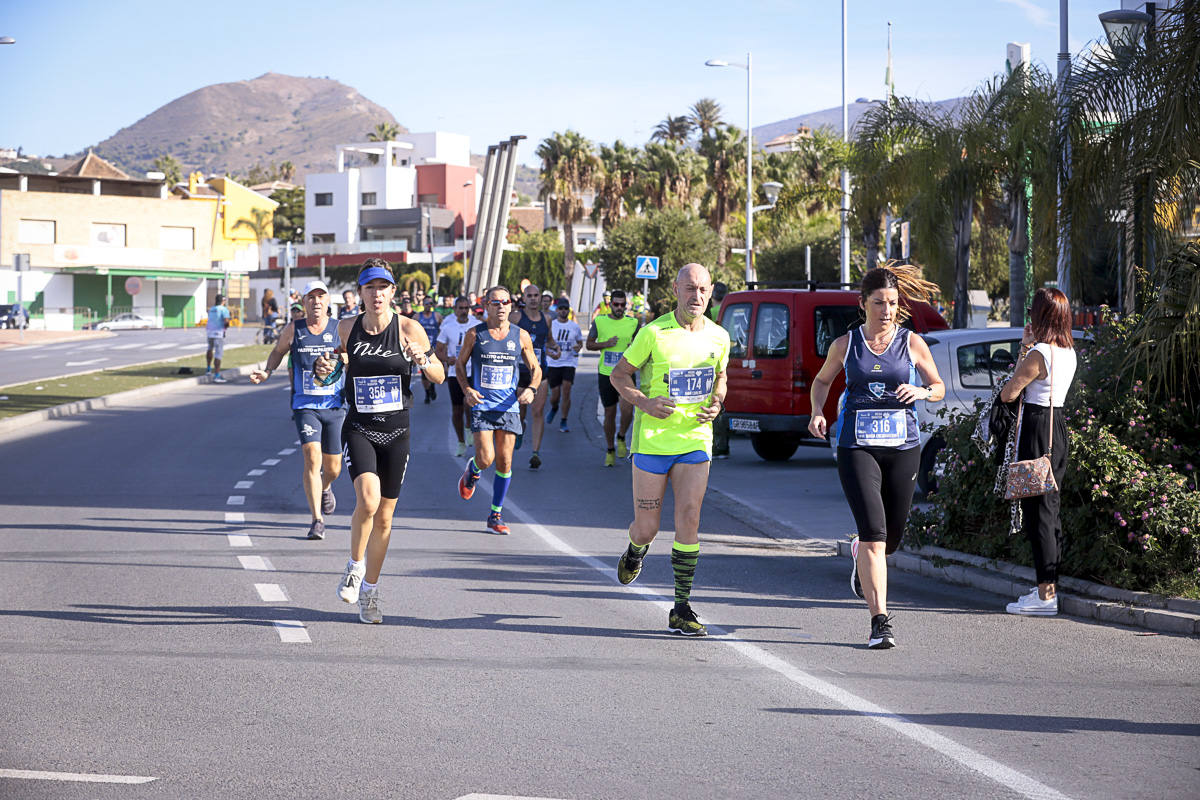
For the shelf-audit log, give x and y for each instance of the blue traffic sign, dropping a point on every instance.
(646, 267)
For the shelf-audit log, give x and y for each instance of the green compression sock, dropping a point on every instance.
(683, 564)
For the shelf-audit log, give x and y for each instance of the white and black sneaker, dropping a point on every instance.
(368, 606)
(351, 583)
(855, 582)
(881, 633)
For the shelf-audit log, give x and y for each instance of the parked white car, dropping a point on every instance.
(126, 322)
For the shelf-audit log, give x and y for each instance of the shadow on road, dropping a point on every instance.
(1031, 723)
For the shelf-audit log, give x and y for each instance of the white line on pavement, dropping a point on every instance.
(287, 451)
(84, 363)
(126, 346)
(194, 346)
(239, 540)
(80, 777)
(257, 563)
(92, 347)
(243, 484)
(235, 516)
(270, 462)
(271, 592)
(254, 473)
(236, 500)
(161, 346)
(291, 630)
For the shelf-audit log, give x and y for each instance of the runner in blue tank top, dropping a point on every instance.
(431, 322)
(878, 453)
(537, 325)
(317, 410)
(494, 350)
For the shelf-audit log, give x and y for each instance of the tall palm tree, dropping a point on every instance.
(672, 175)
(706, 115)
(723, 149)
(382, 132)
(569, 169)
(620, 167)
(287, 171)
(675, 130)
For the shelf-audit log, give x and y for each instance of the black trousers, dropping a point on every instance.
(1040, 519)
(878, 482)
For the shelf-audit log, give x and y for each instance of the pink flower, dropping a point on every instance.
(1122, 523)
(1184, 530)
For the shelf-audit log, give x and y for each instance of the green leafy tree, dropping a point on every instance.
(674, 130)
(533, 241)
(570, 167)
(723, 149)
(289, 214)
(674, 235)
(620, 165)
(170, 168)
(671, 175)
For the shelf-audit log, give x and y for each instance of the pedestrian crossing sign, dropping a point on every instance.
(646, 268)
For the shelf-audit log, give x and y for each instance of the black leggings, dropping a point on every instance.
(878, 482)
(383, 453)
(1040, 519)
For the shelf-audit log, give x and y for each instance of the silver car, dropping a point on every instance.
(126, 322)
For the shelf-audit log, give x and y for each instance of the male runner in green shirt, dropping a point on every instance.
(611, 333)
(682, 357)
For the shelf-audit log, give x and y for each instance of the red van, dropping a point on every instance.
(779, 340)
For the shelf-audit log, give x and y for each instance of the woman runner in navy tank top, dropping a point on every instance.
(378, 350)
(878, 445)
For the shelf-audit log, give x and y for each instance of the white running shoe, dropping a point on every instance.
(350, 584)
(1032, 605)
(368, 606)
(460, 449)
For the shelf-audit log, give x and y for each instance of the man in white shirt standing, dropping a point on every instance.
(448, 343)
(218, 321)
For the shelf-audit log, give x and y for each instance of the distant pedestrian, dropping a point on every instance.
(1042, 379)
(218, 322)
(349, 305)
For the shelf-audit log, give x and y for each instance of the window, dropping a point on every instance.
(108, 234)
(980, 366)
(771, 331)
(428, 200)
(35, 231)
(323, 199)
(368, 198)
(322, 238)
(736, 321)
(830, 322)
(176, 238)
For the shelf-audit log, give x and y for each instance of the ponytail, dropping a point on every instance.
(905, 279)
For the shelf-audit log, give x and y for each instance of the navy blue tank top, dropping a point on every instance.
(494, 368)
(377, 377)
(873, 417)
(306, 348)
(539, 332)
(432, 324)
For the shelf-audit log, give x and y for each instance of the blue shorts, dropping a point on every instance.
(496, 421)
(322, 425)
(661, 465)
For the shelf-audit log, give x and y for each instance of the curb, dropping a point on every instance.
(1087, 600)
(13, 425)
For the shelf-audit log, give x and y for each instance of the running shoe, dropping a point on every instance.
(368, 607)
(552, 414)
(535, 460)
(622, 450)
(350, 584)
(328, 501)
(629, 567)
(433, 392)
(610, 458)
(563, 426)
(1032, 605)
(466, 482)
(208, 370)
(683, 620)
(881, 633)
(316, 530)
(496, 524)
(428, 399)
(460, 449)
(855, 583)
(219, 378)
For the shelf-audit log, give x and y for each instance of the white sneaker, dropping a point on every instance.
(1032, 605)
(460, 449)
(368, 606)
(350, 584)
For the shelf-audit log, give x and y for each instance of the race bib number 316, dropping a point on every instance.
(881, 428)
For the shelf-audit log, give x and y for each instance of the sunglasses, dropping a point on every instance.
(500, 302)
(616, 305)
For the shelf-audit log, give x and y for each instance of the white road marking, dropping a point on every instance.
(257, 563)
(236, 500)
(162, 346)
(235, 516)
(287, 451)
(126, 346)
(239, 540)
(972, 760)
(271, 593)
(79, 777)
(243, 484)
(254, 473)
(194, 346)
(477, 796)
(92, 347)
(291, 630)
(20, 348)
(84, 363)
(297, 442)
(270, 462)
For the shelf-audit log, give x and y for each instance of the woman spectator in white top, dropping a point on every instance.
(1044, 373)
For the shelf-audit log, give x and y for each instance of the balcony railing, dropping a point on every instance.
(343, 248)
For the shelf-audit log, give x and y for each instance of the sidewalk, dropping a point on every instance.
(10, 337)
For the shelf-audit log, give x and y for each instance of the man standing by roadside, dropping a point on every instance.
(218, 322)
(447, 346)
(682, 358)
(611, 334)
(317, 409)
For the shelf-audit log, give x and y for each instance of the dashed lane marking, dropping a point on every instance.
(235, 517)
(271, 593)
(257, 563)
(254, 473)
(270, 462)
(162, 346)
(287, 451)
(236, 500)
(243, 484)
(78, 777)
(291, 631)
(239, 540)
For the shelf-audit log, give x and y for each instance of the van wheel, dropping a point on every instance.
(774, 446)
(927, 480)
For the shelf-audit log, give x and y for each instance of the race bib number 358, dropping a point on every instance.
(692, 385)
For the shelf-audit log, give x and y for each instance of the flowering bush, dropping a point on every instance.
(1130, 509)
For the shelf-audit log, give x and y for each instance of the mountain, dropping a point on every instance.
(230, 127)
(831, 118)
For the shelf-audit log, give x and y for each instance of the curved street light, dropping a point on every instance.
(716, 62)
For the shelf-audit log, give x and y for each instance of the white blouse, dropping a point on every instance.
(1060, 373)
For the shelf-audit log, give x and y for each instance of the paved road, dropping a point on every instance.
(29, 362)
(141, 638)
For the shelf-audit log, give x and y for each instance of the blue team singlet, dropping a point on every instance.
(494, 368)
(873, 417)
(431, 325)
(306, 348)
(539, 332)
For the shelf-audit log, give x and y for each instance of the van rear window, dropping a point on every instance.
(736, 321)
(830, 322)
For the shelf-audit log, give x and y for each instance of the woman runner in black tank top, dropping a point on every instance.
(379, 349)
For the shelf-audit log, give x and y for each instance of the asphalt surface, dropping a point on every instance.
(134, 642)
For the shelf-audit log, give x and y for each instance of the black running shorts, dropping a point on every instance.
(383, 453)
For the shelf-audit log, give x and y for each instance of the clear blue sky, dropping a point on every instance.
(81, 70)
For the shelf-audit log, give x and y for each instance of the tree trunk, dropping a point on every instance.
(1018, 251)
(568, 251)
(870, 235)
(964, 214)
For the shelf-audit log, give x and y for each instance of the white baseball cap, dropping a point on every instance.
(313, 286)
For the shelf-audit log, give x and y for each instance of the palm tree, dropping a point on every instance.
(261, 223)
(620, 166)
(569, 168)
(673, 129)
(671, 175)
(706, 115)
(287, 171)
(383, 132)
(723, 149)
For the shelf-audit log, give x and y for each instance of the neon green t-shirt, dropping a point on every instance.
(607, 328)
(683, 364)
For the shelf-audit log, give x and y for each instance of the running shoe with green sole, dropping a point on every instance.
(629, 567)
(610, 459)
(622, 450)
(683, 620)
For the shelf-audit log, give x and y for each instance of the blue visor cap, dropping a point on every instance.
(373, 273)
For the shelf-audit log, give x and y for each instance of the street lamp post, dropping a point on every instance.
(1064, 153)
(713, 62)
(845, 206)
(466, 261)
